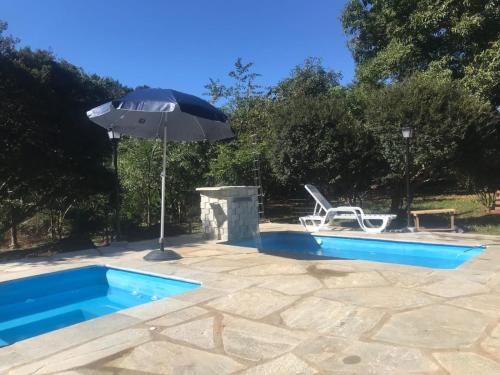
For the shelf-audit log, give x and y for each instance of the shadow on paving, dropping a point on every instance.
(53, 256)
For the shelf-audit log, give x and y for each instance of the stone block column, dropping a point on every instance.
(229, 213)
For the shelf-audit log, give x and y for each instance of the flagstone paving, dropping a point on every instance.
(331, 317)
(199, 333)
(356, 279)
(266, 314)
(374, 358)
(437, 327)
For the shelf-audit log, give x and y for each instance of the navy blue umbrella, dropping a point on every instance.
(166, 114)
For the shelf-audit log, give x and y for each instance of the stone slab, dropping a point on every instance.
(155, 309)
(199, 333)
(410, 279)
(55, 341)
(253, 303)
(285, 365)
(462, 363)
(491, 344)
(373, 358)
(330, 317)
(179, 316)
(87, 353)
(257, 341)
(218, 265)
(272, 269)
(161, 357)
(454, 287)
(355, 279)
(438, 327)
(10, 358)
(320, 348)
(227, 283)
(488, 304)
(199, 295)
(379, 297)
(292, 285)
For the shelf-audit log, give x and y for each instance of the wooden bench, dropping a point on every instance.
(448, 211)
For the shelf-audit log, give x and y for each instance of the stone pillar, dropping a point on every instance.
(229, 213)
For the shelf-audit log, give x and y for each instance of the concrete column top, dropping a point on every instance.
(221, 188)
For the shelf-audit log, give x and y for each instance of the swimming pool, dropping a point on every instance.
(39, 304)
(409, 253)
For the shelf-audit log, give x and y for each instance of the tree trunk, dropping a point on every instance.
(148, 212)
(396, 199)
(13, 230)
(52, 226)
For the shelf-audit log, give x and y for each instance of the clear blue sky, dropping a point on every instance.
(181, 44)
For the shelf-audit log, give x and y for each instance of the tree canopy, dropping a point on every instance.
(391, 40)
(432, 65)
(52, 156)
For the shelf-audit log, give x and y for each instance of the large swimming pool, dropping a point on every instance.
(410, 253)
(39, 304)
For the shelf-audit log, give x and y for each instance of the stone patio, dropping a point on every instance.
(264, 314)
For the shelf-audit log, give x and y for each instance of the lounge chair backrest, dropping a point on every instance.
(318, 197)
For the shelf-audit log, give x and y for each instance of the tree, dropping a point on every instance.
(51, 156)
(439, 110)
(242, 89)
(316, 140)
(482, 77)
(390, 40)
(478, 158)
(232, 160)
(309, 79)
(140, 162)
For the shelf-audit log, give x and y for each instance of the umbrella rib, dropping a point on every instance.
(161, 120)
(201, 127)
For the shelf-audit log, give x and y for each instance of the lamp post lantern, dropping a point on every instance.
(407, 132)
(114, 137)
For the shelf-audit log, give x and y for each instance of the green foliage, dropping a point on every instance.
(438, 109)
(51, 155)
(186, 167)
(478, 158)
(309, 79)
(482, 77)
(139, 165)
(431, 65)
(391, 40)
(232, 160)
(316, 140)
(242, 88)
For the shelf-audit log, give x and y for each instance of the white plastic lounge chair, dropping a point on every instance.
(324, 212)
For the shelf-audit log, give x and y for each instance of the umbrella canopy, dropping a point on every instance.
(146, 113)
(162, 113)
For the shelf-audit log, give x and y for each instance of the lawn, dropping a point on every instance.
(472, 217)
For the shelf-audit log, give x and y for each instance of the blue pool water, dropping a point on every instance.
(410, 253)
(39, 304)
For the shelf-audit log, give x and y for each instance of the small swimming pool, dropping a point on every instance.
(39, 304)
(409, 253)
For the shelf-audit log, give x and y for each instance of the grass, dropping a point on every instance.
(471, 216)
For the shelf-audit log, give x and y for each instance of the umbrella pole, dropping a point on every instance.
(162, 219)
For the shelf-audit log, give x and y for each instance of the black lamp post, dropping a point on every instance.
(407, 132)
(114, 137)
